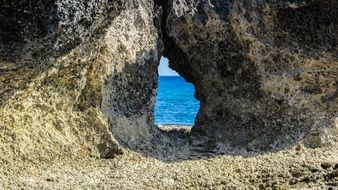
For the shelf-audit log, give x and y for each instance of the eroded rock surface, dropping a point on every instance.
(78, 81)
(80, 77)
(266, 72)
(75, 77)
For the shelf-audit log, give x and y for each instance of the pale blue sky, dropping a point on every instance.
(164, 69)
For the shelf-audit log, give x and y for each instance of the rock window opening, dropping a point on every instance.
(175, 101)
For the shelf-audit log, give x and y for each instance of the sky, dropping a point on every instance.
(164, 69)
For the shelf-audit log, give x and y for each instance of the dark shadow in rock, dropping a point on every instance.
(312, 26)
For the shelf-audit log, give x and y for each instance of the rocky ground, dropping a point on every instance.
(295, 168)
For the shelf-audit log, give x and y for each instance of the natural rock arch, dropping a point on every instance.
(84, 73)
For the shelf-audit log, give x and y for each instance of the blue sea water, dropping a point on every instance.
(175, 103)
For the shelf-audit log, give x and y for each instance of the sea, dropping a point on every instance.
(175, 102)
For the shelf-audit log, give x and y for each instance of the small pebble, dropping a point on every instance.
(49, 180)
(335, 167)
(325, 165)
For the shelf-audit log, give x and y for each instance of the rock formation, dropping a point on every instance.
(266, 72)
(74, 75)
(79, 78)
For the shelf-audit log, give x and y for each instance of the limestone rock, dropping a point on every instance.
(79, 78)
(75, 76)
(265, 72)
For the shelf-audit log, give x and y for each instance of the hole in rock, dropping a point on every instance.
(175, 101)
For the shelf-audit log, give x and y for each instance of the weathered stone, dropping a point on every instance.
(265, 72)
(78, 79)
(75, 76)
(78, 76)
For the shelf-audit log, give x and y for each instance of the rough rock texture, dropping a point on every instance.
(310, 169)
(85, 72)
(74, 75)
(265, 72)
(78, 80)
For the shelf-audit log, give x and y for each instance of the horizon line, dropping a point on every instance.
(169, 75)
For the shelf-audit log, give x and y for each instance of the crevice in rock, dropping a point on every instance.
(171, 50)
